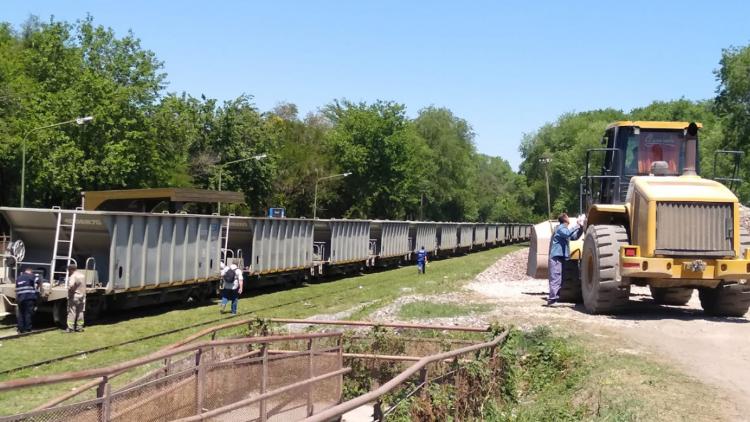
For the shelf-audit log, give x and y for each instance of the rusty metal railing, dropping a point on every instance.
(401, 378)
(208, 377)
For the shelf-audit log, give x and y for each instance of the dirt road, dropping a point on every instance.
(714, 350)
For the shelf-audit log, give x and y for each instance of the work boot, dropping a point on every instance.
(69, 330)
(79, 330)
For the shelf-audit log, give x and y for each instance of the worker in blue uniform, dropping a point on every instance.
(560, 252)
(421, 260)
(27, 285)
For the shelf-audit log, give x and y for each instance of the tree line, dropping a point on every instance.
(143, 136)
(426, 167)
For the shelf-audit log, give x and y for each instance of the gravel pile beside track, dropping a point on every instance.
(511, 267)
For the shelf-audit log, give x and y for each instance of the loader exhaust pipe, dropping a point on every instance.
(691, 147)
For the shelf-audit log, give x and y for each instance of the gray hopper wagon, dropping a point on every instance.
(389, 242)
(271, 248)
(492, 234)
(465, 236)
(424, 234)
(447, 235)
(129, 259)
(341, 244)
(480, 235)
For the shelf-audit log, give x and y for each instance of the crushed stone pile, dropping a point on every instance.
(511, 267)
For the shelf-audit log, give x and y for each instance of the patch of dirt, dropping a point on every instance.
(713, 350)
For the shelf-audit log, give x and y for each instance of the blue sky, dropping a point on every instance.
(506, 67)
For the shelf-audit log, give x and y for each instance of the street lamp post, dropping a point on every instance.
(79, 121)
(315, 198)
(221, 167)
(546, 161)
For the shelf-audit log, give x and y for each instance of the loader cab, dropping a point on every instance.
(630, 148)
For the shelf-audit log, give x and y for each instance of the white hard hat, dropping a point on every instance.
(233, 267)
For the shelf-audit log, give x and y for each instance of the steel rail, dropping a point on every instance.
(160, 334)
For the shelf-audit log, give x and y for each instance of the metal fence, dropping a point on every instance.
(221, 374)
(261, 378)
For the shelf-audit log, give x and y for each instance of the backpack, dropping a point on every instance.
(228, 279)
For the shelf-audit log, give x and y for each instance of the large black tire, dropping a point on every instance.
(677, 296)
(571, 283)
(600, 279)
(732, 300)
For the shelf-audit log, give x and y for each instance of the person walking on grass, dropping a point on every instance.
(231, 289)
(27, 285)
(76, 298)
(421, 260)
(559, 253)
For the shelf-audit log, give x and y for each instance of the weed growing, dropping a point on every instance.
(425, 309)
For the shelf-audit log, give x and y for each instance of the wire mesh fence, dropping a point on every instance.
(222, 374)
(207, 376)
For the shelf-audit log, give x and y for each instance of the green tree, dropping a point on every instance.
(733, 106)
(66, 70)
(566, 142)
(451, 140)
(300, 145)
(379, 145)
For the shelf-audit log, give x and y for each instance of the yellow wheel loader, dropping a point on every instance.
(653, 221)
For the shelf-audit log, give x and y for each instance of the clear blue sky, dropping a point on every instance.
(506, 67)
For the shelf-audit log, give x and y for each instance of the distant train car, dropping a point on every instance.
(480, 235)
(341, 245)
(447, 237)
(465, 236)
(424, 234)
(389, 242)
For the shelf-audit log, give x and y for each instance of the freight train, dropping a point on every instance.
(133, 257)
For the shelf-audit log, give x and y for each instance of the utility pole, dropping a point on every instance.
(421, 207)
(545, 160)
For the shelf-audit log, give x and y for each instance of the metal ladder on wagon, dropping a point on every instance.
(63, 230)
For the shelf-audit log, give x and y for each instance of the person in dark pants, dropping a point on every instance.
(231, 288)
(559, 253)
(26, 294)
(421, 260)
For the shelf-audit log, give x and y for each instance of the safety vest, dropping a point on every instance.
(26, 287)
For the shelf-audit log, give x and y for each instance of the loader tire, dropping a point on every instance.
(600, 280)
(730, 300)
(571, 283)
(677, 296)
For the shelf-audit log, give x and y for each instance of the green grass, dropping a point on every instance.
(371, 290)
(425, 309)
(572, 378)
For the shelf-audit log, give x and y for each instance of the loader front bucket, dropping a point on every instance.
(541, 235)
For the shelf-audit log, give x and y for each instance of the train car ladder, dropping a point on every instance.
(64, 236)
(224, 239)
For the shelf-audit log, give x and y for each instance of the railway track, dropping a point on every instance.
(19, 335)
(155, 335)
